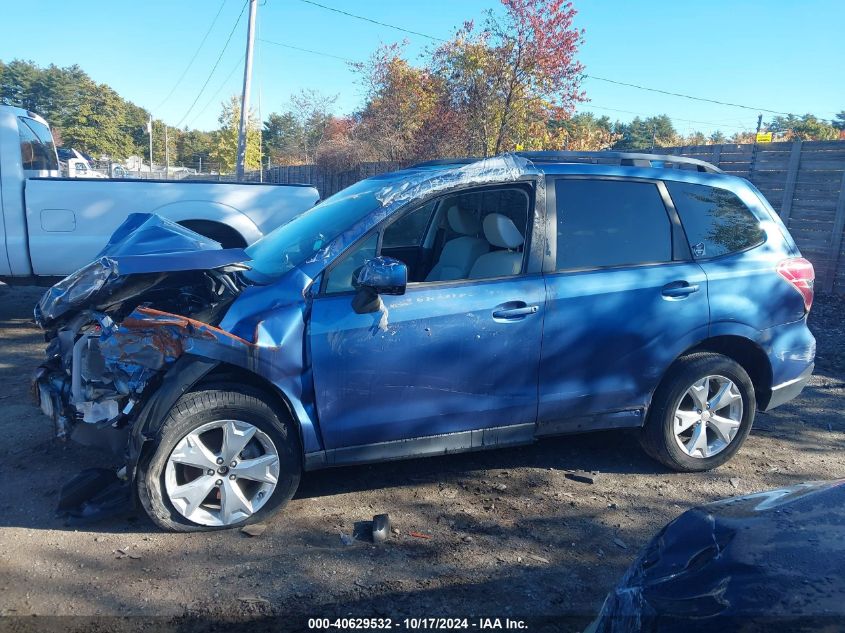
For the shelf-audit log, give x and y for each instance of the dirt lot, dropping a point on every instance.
(510, 535)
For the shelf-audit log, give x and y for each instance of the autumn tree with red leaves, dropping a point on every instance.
(497, 88)
(513, 76)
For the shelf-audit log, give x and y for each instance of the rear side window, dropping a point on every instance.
(715, 220)
(37, 151)
(610, 223)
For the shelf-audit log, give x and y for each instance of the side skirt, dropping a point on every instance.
(429, 446)
(627, 419)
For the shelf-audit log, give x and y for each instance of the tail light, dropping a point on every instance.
(800, 275)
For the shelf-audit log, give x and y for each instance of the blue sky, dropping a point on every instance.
(776, 54)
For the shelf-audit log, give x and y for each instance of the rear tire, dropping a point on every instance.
(701, 413)
(198, 425)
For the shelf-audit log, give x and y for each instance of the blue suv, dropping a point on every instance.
(452, 306)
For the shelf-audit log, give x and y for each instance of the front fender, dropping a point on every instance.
(184, 374)
(150, 342)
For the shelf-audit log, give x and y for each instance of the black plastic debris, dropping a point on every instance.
(381, 528)
(581, 476)
(375, 531)
(93, 495)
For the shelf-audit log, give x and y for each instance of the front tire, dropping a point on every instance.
(222, 459)
(700, 414)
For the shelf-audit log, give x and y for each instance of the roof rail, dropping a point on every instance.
(625, 159)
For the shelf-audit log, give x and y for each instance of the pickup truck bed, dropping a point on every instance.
(69, 220)
(52, 226)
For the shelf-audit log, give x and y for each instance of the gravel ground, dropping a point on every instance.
(510, 534)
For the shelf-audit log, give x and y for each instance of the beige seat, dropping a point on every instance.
(500, 231)
(459, 254)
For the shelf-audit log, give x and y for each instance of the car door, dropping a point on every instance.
(624, 299)
(446, 361)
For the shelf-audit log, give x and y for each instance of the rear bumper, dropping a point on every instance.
(786, 391)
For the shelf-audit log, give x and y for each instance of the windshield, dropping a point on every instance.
(293, 243)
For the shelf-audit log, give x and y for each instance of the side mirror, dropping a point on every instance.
(378, 276)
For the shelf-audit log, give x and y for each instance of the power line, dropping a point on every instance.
(216, 63)
(598, 107)
(197, 52)
(613, 81)
(365, 19)
(217, 92)
(685, 96)
(308, 50)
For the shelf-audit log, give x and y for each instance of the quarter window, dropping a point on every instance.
(610, 223)
(716, 221)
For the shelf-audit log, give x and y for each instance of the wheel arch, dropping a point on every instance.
(749, 355)
(211, 211)
(228, 236)
(188, 374)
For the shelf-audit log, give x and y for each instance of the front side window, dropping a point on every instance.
(716, 221)
(341, 276)
(37, 150)
(477, 234)
(610, 223)
(410, 229)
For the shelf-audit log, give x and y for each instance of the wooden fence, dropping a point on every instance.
(804, 182)
(327, 183)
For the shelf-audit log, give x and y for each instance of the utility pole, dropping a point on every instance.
(250, 40)
(166, 155)
(759, 122)
(150, 132)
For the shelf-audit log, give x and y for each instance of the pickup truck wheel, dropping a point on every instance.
(701, 413)
(223, 458)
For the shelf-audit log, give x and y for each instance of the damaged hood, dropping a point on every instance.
(774, 559)
(145, 244)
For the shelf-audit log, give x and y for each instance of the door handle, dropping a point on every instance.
(513, 310)
(679, 289)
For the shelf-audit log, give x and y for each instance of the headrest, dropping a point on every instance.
(462, 221)
(500, 231)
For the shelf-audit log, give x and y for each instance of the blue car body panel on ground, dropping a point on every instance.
(482, 362)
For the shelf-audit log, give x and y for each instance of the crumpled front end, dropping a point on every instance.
(106, 345)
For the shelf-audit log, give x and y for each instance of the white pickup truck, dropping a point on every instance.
(53, 226)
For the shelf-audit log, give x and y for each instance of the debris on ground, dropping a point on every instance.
(500, 487)
(539, 558)
(346, 539)
(255, 601)
(734, 481)
(381, 527)
(581, 476)
(419, 535)
(620, 543)
(255, 529)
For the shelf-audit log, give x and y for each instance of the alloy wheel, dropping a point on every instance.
(222, 472)
(708, 416)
